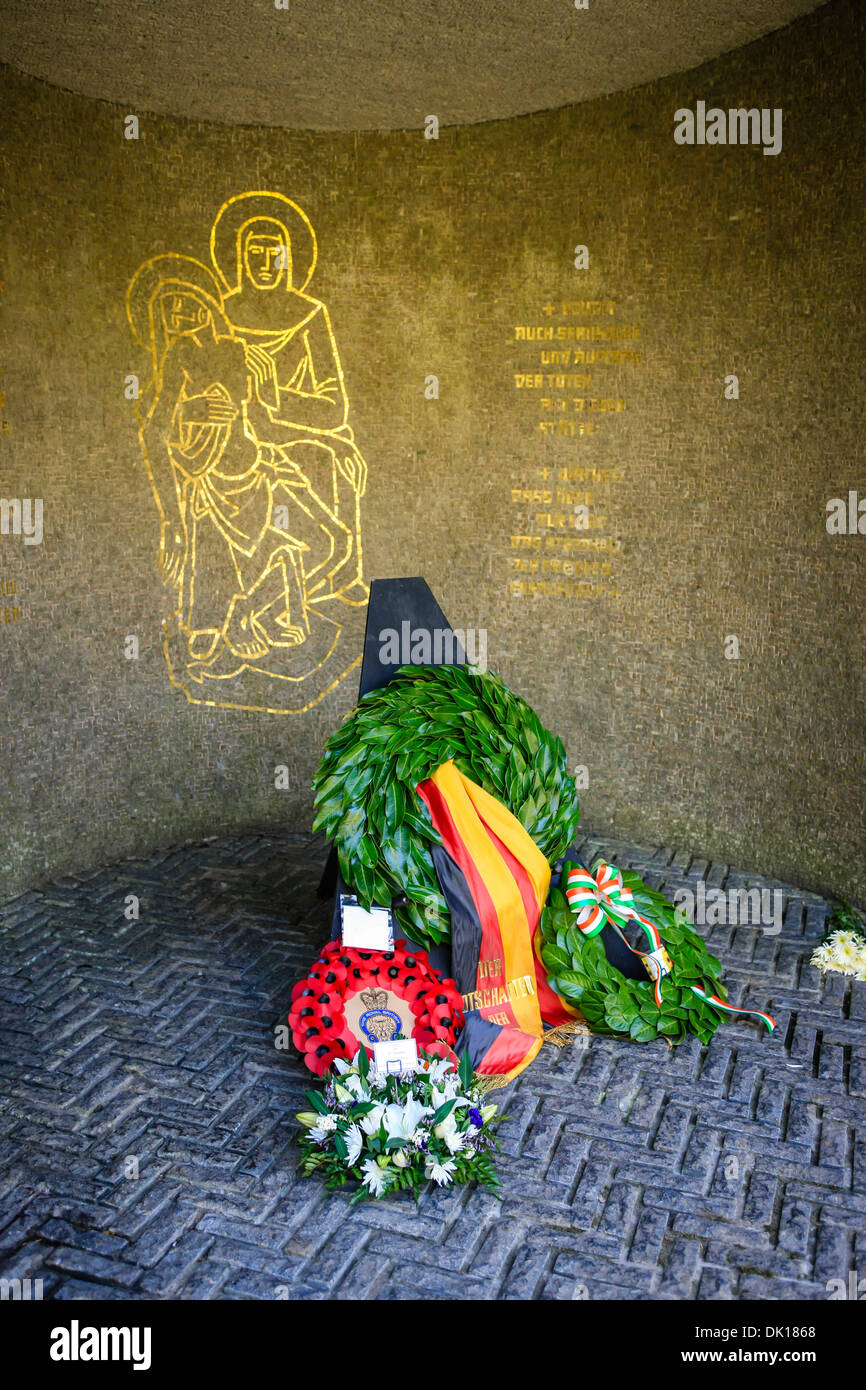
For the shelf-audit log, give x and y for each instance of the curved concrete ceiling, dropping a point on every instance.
(369, 64)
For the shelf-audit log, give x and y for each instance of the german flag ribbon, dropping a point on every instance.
(496, 896)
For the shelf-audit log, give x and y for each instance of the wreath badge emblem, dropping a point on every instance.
(378, 1023)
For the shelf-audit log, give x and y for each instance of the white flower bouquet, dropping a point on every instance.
(397, 1131)
(844, 951)
(844, 946)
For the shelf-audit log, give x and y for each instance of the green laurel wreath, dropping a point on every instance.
(365, 796)
(580, 972)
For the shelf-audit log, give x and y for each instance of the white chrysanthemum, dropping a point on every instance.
(354, 1144)
(374, 1177)
(440, 1172)
(822, 957)
(844, 951)
(845, 957)
(447, 1131)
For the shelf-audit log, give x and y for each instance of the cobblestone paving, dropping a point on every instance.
(147, 1133)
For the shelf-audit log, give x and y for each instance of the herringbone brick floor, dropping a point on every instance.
(147, 1126)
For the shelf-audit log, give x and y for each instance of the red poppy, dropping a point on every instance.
(412, 957)
(333, 973)
(328, 1016)
(440, 997)
(304, 1009)
(442, 1018)
(420, 988)
(321, 1059)
(445, 1027)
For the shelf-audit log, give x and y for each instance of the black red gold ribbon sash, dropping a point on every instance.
(506, 878)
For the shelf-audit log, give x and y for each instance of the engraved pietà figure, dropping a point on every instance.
(255, 471)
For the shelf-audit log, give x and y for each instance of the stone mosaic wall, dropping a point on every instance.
(553, 438)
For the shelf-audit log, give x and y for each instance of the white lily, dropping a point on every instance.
(402, 1120)
(371, 1122)
(446, 1094)
(354, 1144)
(439, 1069)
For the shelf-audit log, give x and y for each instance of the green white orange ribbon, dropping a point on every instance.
(602, 898)
(598, 898)
(714, 999)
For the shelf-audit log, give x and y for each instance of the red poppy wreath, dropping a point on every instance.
(351, 999)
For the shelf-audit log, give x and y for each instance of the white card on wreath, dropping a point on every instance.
(401, 1054)
(366, 931)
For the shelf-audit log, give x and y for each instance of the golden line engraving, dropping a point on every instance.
(244, 428)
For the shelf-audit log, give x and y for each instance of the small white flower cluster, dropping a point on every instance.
(844, 951)
(325, 1125)
(398, 1131)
